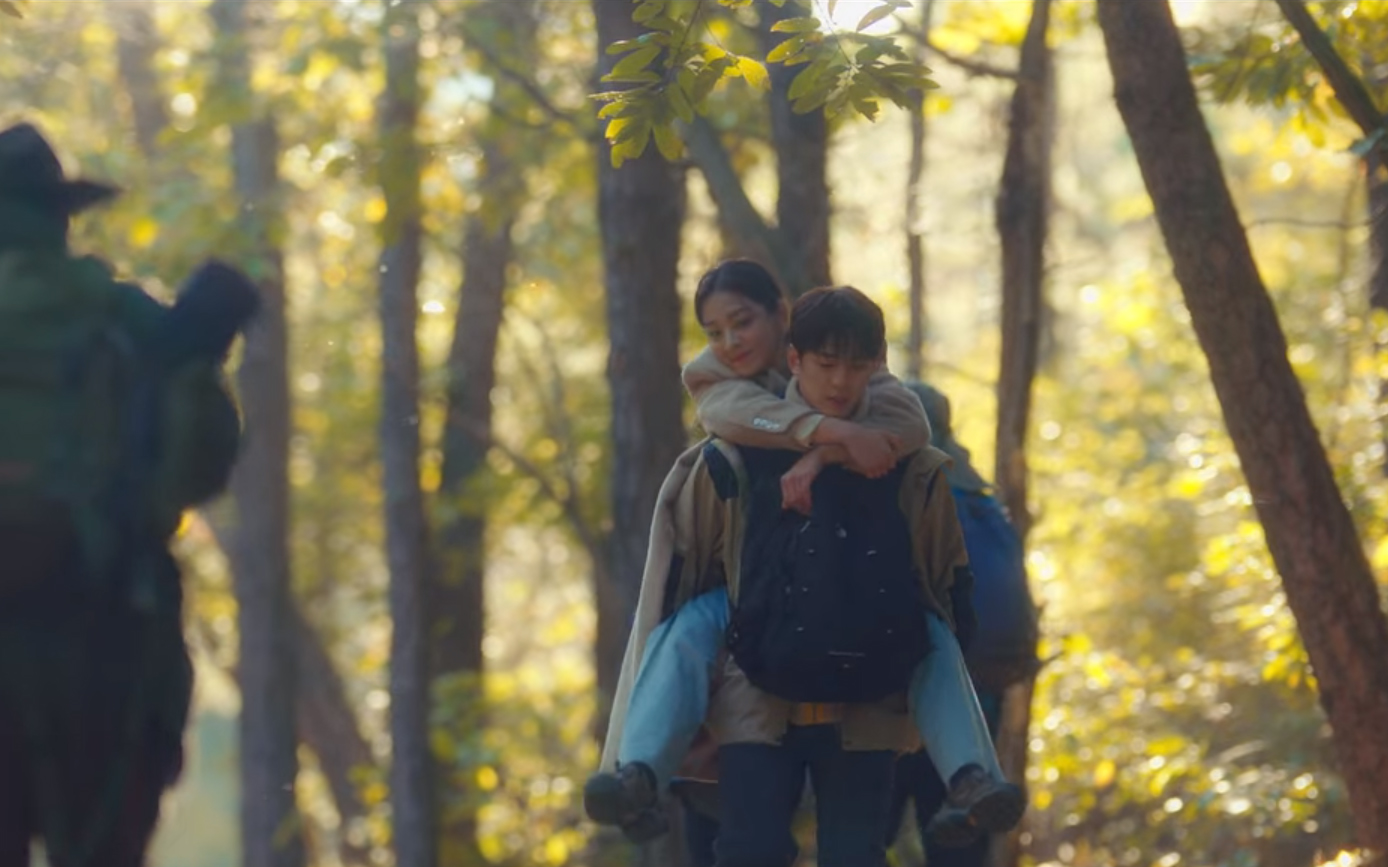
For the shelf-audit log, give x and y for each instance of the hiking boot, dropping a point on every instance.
(627, 799)
(977, 804)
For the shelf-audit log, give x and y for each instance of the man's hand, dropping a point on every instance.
(796, 483)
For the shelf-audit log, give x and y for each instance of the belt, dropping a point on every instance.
(810, 714)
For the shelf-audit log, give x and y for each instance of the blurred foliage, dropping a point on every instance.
(843, 69)
(1253, 54)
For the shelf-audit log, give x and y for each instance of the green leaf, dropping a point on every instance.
(648, 10)
(806, 80)
(785, 49)
(811, 50)
(873, 16)
(667, 141)
(832, 4)
(679, 102)
(754, 72)
(643, 77)
(667, 24)
(796, 25)
(618, 108)
(628, 129)
(867, 54)
(704, 82)
(633, 63)
(623, 45)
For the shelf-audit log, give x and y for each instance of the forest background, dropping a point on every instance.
(464, 390)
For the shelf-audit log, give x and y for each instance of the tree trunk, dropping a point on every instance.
(641, 210)
(1022, 210)
(327, 724)
(136, 42)
(915, 238)
(1022, 215)
(271, 834)
(737, 215)
(1329, 585)
(1376, 175)
(407, 552)
(1377, 170)
(457, 592)
(802, 156)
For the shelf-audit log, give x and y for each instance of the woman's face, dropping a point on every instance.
(743, 334)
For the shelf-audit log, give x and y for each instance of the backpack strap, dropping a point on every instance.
(726, 468)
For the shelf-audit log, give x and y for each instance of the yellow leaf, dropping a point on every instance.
(1104, 774)
(143, 233)
(487, 778)
(754, 72)
(556, 851)
(375, 210)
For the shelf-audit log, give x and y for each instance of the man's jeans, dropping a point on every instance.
(670, 698)
(760, 787)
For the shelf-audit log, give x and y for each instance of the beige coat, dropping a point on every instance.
(691, 523)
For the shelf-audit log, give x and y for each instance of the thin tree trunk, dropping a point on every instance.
(1329, 585)
(915, 238)
(1376, 177)
(327, 724)
(326, 721)
(136, 42)
(457, 592)
(407, 551)
(736, 213)
(802, 156)
(1022, 215)
(1376, 168)
(1354, 95)
(271, 832)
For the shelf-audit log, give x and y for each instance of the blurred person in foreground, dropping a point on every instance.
(114, 419)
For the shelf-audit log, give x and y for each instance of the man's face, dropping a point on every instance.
(831, 382)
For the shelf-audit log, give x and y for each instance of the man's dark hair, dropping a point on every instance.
(838, 320)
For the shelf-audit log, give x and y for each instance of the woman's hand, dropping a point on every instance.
(796, 483)
(870, 452)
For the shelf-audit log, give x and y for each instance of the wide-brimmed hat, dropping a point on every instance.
(30, 172)
(962, 473)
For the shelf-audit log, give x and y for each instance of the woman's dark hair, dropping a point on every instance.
(840, 320)
(740, 277)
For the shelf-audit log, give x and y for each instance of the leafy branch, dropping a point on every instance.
(672, 68)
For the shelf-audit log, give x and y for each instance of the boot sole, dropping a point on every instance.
(997, 812)
(603, 801)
